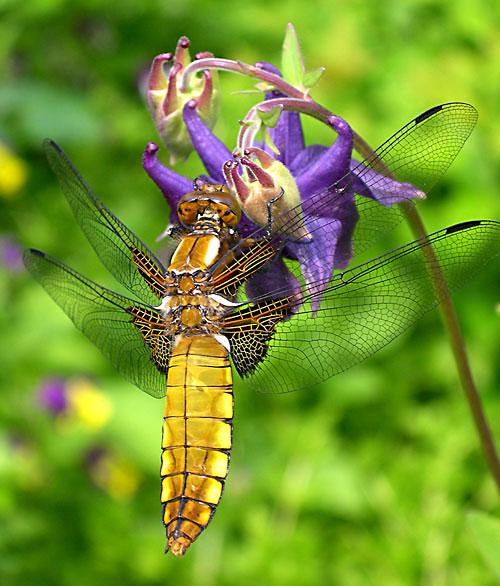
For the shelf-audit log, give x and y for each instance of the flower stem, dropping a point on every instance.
(450, 320)
(302, 106)
(297, 100)
(241, 68)
(452, 327)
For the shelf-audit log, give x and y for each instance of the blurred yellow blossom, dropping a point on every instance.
(13, 172)
(89, 405)
(113, 474)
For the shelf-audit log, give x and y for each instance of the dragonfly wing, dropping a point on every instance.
(122, 253)
(130, 334)
(357, 210)
(403, 168)
(361, 309)
(415, 156)
(421, 151)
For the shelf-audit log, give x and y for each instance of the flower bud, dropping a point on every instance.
(266, 186)
(166, 98)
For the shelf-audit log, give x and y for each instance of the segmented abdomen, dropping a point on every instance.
(197, 432)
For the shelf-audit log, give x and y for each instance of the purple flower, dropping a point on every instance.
(11, 254)
(324, 180)
(166, 97)
(52, 395)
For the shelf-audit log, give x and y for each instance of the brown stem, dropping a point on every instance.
(452, 327)
(450, 320)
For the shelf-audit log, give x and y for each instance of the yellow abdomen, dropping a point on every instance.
(197, 432)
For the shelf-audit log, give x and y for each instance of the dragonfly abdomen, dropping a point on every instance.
(197, 432)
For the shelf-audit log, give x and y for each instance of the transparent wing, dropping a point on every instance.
(421, 151)
(359, 208)
(362, 309)
(122, 253)
(130, 334)
(418, 154)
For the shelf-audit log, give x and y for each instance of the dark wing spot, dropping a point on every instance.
(462, 226)
(427, 114)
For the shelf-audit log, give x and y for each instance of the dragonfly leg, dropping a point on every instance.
(175, 231)
(270, 211)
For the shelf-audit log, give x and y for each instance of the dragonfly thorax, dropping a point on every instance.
(192, 314)
(196, 282)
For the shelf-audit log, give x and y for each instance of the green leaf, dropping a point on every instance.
(270, 117)
(266, 138)
(27, 107)
(312, 77)
(292, 62)
(485, 530)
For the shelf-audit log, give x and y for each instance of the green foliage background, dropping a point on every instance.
(366, 479)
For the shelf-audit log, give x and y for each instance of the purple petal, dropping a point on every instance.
(305, 158)
(11, 254)
(344, 248)
(317, 258)
(287, 135)
(381, 188)
(246, 227)
(52, 395)
(268, 67)
(341, 210)
(172, 185)
(212, 151)
(275, 279)
(332, 165)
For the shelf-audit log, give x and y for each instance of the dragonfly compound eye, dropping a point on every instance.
(187, 211)
(216, 196)
(227, 205)
(228, 215)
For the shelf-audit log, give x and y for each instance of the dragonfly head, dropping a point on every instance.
(208, 199)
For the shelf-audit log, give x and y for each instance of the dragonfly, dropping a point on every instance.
(187, 327)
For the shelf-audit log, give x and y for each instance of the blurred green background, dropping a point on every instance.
(364, 480)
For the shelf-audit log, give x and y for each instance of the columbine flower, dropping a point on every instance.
(166, 98)
(112, 473)
(13, 172)
(265, 181)
(75, 401)
(52, 395)
(258, 172)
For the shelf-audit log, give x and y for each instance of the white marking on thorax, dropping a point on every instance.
(212, 250)
(223, 341)
(222, 300)
(164, 302)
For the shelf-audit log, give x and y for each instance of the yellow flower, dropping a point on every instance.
(114, 474)
(13, 172)
(91, 407)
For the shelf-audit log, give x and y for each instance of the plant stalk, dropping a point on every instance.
(449, 318)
